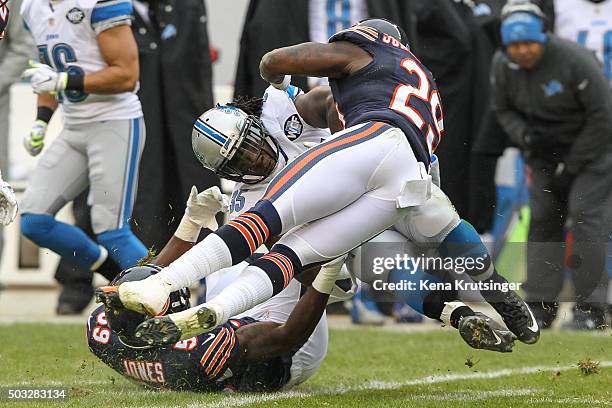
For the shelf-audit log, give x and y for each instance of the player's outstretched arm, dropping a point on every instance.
(262, 341)
(200, 212)
(265, 340)
(118, 48)
(332, 60)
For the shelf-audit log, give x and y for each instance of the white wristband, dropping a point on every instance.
(187, 230)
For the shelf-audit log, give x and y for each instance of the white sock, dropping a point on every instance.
(209, 256)
(448, 310)
(251, 288)
(98, 263)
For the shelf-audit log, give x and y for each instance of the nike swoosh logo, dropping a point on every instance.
(497, 337)
(210, 337)
(46, 80)
(534, 324)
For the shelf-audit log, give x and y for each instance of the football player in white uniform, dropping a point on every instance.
(589, 23)
(88, 66)
(284, 118)
(8, 203)
(333, 197)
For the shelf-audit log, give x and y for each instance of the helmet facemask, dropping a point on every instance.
(252, 156)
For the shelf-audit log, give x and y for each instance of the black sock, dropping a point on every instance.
(459, 313)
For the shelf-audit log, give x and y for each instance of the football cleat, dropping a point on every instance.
(148, 296)
(162, 331)
(515, 313)
(109, 296)
(481, 332)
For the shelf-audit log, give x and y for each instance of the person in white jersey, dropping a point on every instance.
(89, 67)
(589, 23)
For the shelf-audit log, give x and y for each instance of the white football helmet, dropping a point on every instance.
(235, 145)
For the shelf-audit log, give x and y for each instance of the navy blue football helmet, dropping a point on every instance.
(388, 27)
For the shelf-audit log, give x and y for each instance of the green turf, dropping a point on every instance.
(361, 362)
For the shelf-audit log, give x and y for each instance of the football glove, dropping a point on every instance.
(35, 140)
(43, 78)
(203, 207)
(8, 203)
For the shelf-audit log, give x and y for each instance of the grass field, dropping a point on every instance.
(365, 367)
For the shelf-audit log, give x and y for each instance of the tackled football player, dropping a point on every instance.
(377, 166)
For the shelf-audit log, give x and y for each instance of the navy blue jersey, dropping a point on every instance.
(202, 363)
(394, 88)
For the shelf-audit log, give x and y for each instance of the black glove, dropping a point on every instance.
(562, 180)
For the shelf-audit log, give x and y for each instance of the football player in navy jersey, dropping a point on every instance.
(278, 344)
(338, 194)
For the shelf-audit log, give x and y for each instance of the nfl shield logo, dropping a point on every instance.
(4, 16)
(293, 127)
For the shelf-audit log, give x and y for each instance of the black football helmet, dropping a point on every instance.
(124, 322)
(385, 26)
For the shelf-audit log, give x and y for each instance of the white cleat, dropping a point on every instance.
(149, 296)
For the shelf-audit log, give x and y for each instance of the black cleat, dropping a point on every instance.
(158, 331)
(516, 314)
(165, 330)
(481, 332)
(109, 295)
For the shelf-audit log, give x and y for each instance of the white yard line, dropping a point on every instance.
(234, 401)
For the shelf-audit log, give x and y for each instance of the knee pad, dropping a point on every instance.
(35, 226)
(430, 223)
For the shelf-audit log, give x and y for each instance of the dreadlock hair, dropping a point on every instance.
(251, 106)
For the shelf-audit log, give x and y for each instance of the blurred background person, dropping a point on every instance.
(175, 87)
(172, 95)
(553, 101)
(589, 23)
(15, 49)
(271, 24)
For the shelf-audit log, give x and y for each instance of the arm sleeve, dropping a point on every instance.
(593, 92)
(20, 48)
(107, 14)
(511, 121)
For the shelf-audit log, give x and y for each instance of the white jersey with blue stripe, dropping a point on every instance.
(589, 24)
(65, 33)
(282, 120)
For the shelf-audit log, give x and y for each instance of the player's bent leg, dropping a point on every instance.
(66, 240)
(318, 183)
(437, 224)
(60, 175)
(465, 242)
(114, 148)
